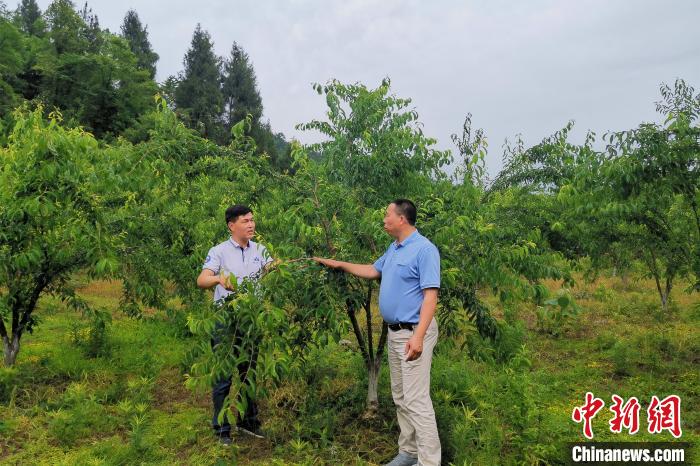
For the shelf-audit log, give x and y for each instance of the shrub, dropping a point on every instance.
(93, 338)
(80, 416)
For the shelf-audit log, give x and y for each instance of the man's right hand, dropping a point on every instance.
(225, 281)
(331, 263)
(359, 270)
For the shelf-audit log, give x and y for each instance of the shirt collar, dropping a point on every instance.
(236, 245)
(410, 238)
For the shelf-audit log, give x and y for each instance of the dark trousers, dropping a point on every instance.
(222, 388)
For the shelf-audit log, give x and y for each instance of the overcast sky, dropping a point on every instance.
(519, 67)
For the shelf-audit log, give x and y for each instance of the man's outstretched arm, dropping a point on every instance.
(359, 270)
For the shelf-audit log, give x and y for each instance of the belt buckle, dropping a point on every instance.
(401, 326)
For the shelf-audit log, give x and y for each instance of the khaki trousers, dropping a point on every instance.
(410, 387)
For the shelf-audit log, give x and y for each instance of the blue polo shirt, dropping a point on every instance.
(407, 269)
(229, 257)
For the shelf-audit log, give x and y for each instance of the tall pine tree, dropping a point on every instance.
(240, 88)
(168, 88)
(198, 95)
(66, 28)
(28, 18)
(242, 98)
(137, 36)
(11, 61)
(92, 31)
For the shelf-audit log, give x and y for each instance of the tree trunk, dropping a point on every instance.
(373, 368)
(10, 346)
(625, 277)
(371, 357)
(372, 386)
(667, 292)
(663, 293)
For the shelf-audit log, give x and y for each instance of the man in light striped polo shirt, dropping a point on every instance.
(238, 257)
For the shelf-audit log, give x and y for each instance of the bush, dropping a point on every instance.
(557, 315)
(605, 341)
(509, 341)
(603, 294)
(8, 377)
(80, 416)
(622, 357)
(93, 338)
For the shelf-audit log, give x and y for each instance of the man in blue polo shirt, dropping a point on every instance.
(236, 258)
(410, 278)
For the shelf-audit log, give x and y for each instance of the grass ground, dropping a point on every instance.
(76, 397)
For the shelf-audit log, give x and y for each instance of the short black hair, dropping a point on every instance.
(407, 209)
(235, 211)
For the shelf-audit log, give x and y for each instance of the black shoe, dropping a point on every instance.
(252, 430)
(225, 440)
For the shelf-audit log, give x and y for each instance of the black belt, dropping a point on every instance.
(401, 326)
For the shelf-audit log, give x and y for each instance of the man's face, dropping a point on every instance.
(243, 227)
(393, 221)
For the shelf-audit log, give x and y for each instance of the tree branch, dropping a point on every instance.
(694, 205)
(358, 332)
(655, 272)
(382, 341)
(368, 314)
(3, 330)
